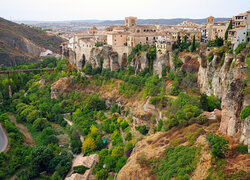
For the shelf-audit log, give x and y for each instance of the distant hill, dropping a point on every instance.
(162, 21)
(19, 43)
(113, 22)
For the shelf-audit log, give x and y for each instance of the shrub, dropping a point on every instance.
(102, 174)
(115, 109)
(120, 163)
(218, 144)
(176, 61)
(245, 112)
(141, 159)
(80, 169)
(152, 86)
(240, 47)
(243, 149)
(209, 103)
(177, 163)
(142, 129)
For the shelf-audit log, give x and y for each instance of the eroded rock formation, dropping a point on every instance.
(225, 79)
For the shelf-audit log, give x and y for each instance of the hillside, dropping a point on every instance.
(20, 43)
(190, 121)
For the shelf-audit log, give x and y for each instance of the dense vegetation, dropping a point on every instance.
(107, 130)
(177, 163)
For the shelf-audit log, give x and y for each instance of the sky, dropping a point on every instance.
(59, 10)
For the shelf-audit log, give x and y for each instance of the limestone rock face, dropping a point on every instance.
(159, 63)
(114, 65)
(245, 135)
(226, 81)
(139, 62)
(95, 56)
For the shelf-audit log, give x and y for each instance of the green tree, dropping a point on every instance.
(110, 163)
(117, 151)
(39, 124)
(120, 163)
(193, 44)
(40, 158)
(230, 26)
(88, 145)
(102, 174)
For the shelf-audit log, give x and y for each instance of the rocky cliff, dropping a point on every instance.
(104, 56)
(225, 78)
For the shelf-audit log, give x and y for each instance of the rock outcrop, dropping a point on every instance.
(225, 79)
(104, 56)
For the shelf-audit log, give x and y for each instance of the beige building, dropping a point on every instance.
(219, 29)
(141, 38)
(117, 38)
(241, 19)
(190, 34)
(214, 29)
(130, 21)
(241, 27)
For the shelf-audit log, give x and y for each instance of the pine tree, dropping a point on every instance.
(193, 44)
(230, 26)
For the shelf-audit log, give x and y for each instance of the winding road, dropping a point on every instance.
(3, 140)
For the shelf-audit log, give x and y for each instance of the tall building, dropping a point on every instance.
(210, 20)
(130, 21)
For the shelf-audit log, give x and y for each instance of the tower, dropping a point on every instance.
(130, 21)
(210, 20)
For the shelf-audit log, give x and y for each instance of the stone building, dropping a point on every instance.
(219, 29)
(130, 21)
(240, 31)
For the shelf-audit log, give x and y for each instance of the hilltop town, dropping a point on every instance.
(126, 102)
(122, 38)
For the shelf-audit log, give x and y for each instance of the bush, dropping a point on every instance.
(240, 47)
(120, 163)
(241, 148)
(176, 61)
(142, 129)
(218, 144)
(141, 159)
(80, 169)
(245, 112)
(115, 108)
(209, 103)
(102, 174)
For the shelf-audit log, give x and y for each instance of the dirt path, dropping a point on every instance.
(3, 140)
(28, 140)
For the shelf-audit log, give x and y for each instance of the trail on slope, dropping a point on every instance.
(28, 140)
